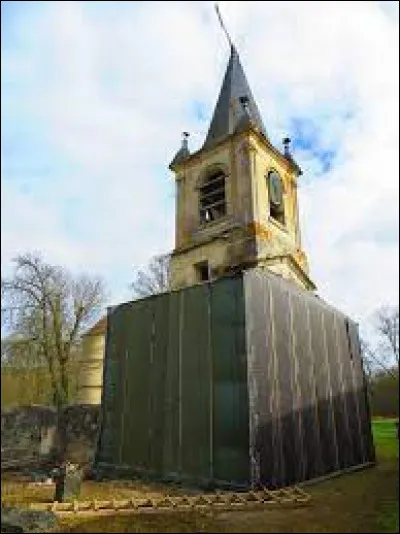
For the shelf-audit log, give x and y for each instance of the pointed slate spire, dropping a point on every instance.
(229, 111)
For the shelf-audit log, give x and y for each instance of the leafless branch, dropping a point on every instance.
(154, 279)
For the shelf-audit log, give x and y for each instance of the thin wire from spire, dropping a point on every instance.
(222, 24)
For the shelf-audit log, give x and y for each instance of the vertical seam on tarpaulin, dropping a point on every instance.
(313, 385)
(342, 385)
(169, 460)
(277, 406)
(265, 294)
(211, 382)
(102, 421)
(150, 428)
(236, 361)
(124, 406)
(249, 332)
(297, 398)
(181, 316)
(251, 385)
(356, 398)
(231, 385)
(274, 401)
(370, 442)
(271, 378)
(333, 419)
(165, 363)
(241, 373)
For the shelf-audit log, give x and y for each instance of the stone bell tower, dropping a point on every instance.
(236, 197)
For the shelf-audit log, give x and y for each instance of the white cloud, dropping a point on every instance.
(110, 87)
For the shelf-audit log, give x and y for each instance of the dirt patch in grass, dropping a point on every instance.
(173, 522)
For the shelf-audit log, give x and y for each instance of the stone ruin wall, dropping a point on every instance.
(29, 435)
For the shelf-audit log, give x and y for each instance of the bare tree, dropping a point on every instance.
(154, 278)
(367, 357)
(52, 309)
(387, 325)
(373, 361)
(384, 353)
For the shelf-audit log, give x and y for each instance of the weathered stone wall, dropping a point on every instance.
(82, 422)
(29, 434)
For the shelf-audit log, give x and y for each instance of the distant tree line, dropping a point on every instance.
(384, 394)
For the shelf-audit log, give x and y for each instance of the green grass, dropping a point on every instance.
(364, 501)
(387, 445)
(387, 448)
(388, 519)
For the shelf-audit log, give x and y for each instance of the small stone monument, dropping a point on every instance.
(68, 481)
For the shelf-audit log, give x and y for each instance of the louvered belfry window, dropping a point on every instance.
(212, 197)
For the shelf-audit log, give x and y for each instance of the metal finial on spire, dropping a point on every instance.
(222, 24)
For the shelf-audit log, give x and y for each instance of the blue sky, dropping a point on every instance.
(95, 97)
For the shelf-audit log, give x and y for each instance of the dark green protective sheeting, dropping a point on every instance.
(230, 436)
(171, 449)
(308, 411)
(178, 363)
(194, 384)
(241, 382)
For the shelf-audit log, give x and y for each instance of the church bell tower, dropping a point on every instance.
(236, 197)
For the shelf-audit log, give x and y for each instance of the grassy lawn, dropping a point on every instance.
(365, 501)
